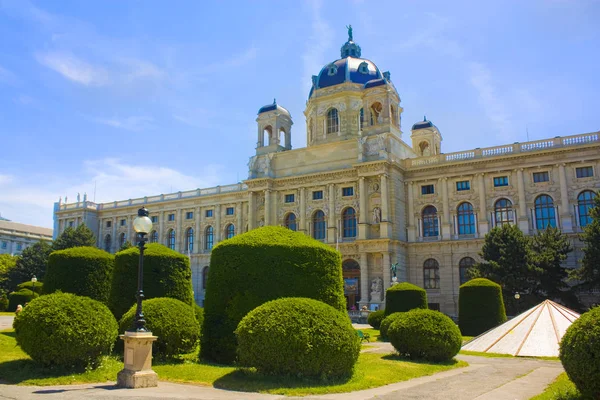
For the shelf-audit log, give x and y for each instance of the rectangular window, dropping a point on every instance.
(70, 224)
(123, 222)
(4, 244)
(463, 185)
(154, 219)
(541, 177)
(500, 181)
(289, 198)
(348, 191)
(189, 215)
(208, 213)
(19, 247)
(229, 211)
(584, 172)
(427, 189)
(318, 195)
(171, 217)
(434, 306)
(108, 224)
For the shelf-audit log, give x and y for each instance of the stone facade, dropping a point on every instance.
(361, 188)
(15, 237)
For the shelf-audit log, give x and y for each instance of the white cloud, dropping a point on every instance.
(133, 123)
(141, 69)
(5, 179)
(74, 68)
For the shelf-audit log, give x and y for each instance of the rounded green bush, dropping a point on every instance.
(300, 337)
(261, 265)
(386, 323)
(167, 273)
(173, 321)
(425, 335)
(20, 297)
(403, 297)
(580, 353)
(480, 306)
(3, 303)
(65, 329)
(199, 312)
(374, 319)
(38, 287)
(84, 271)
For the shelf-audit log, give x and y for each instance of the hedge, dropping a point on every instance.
(298, 337)
(65, 329)
(167, 273)
(3, 303)
(39, 286)
(20, 297)
(580, 353)
(425, 335)
(84, 271)
(386, 323)
(261, 265)
(374, 319)
(480, 306)
(404, 297)
(173, 321)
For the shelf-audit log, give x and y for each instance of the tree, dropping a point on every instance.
(80, 236)
(589, 272)
(32, 261)
(125, 246)
(7, 264)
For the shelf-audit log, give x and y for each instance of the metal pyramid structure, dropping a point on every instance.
(535, 333)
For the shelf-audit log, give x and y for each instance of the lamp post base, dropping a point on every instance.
(137, 372)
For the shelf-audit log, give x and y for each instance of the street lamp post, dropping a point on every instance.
(33, 281)
(142, 224)
(517, 297)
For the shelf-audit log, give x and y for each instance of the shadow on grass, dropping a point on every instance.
(249, 380)
(10, 334)
(18, 371)
(396, 357)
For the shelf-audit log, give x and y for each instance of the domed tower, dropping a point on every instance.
(351, 98)
(426, 138)
(274, 124)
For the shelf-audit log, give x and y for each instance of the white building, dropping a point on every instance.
(15, 237)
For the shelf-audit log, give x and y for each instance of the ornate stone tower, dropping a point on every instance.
(426, 138)
(274, 123)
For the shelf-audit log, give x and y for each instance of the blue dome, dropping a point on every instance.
(375, 82)
(348, 69)
(272, 107)
(423, 124)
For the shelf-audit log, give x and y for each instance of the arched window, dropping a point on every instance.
(431, 274)
(545, 214)
(430, 222)
(394, 114)
(333, 121)
(318, 221)
(503, 210)
(290, 221)
(361, 118)
(209, 238)
(349, 221)
(585, 201)
(122, 239)
(466, 219)
(171, 239)
(189, 239)
(463, 265)
(204, 276)
(153, 237)
(268, 132)
(107, 242)
(229, 231)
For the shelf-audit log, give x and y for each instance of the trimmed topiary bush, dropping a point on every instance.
(480, 306)
(173, 321)
(3, 303)
(199, 312)
(20, 297)
(580, 353)
(386, 323)
(404, 297)
(167, 273)
(30, 286)
(65, 329)
(374, 319)
(425, 335)
(261, 265)
(299, 337)
(84, 271)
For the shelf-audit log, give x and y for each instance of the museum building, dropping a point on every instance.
(387, 204)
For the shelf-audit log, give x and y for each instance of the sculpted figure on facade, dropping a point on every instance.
(376, 290)
(376, 215)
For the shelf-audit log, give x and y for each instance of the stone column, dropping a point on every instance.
(483, 215)
(411, 227)
(387, 274)
(446, 231)
(239, 217)
(217, 231)
(302, 216)
(364, 279)
(178, 231)
(384, 226)
(565, 214)
(267, 207)
(274, 205)
(114, 242)
(251, 206)
(363, 220)
(197, 236)
(129, 220)
(522, 219)
(331, 225)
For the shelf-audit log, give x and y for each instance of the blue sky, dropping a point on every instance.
(148, 97)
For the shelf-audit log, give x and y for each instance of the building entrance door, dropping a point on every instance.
(351, 272)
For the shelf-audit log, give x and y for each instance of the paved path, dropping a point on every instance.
(6, 322)
(484, 379)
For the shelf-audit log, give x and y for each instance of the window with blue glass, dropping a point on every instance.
(154, 237)
(154, 219)
(503, 212)
(431, 274)
(70, 224)
(171, 239)
(289, 198)
(333, 121)
(427, 189)
(189, 236)
(466, 219)
(290, 221)
(362, 118)
(109, 224)
(463, 185)
(209, 237)
(318, 195)
(464, 265)
(541, 177)
(349, 221)
(229, 211)
(318, 222)
(430, 222)
(123, 222)
(348, 191)
(122, 239)
(545, 214)
(107, 243)
(19, 246)
(585, 202)
(500, 181)
(189, 215)
(208, 213)
(4, 245)
(229, 231)
(584, 172)
(171, 217)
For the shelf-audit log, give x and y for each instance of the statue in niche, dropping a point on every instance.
(376, 290)
(376, 215)
(261, 223)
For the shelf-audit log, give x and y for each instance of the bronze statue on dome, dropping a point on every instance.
(349, 27)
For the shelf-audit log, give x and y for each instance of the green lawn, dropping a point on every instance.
(372, 370)
(561, 389)
(6, 314)
(374, 333)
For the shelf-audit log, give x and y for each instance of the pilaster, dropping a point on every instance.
(331, 225)
(387, 274)
(267, 207)
(363, 215)
(385, 225)
(302, 218)
(364, 280)
(218, 231)
(411, 227)
(565, 215)
(522, 219)
(197, 236)
(483, 214)
(251, 207)
(446, 231)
